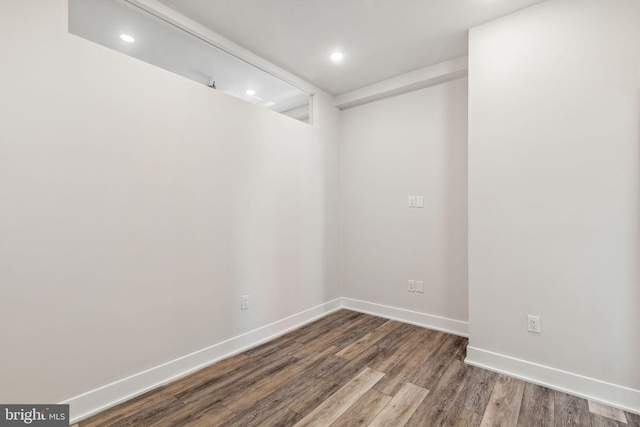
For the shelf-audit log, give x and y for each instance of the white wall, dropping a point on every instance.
(413, 144)
(137, 207)
(554, 195)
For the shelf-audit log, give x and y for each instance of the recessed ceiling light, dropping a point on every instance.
(251, 92)
(127, 38)
(337, 56)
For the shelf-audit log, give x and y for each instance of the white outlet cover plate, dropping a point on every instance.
(533, 324)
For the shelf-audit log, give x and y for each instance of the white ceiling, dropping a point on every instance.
(380, 38)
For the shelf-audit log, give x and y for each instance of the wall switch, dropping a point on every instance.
(244, 302)
(533, 324)
(419, 201)
(419, 286)
(411, 287)
(412, 201)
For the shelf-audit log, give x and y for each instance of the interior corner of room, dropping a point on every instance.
(151, 226)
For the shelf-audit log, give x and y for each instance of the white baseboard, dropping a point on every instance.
(588, 388)
(444, 324)
(101, 398)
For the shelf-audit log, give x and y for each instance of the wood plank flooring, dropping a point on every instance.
(354, 369)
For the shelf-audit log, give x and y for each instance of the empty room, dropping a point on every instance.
(320, 213)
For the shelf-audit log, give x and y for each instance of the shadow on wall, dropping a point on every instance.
(455, 199)
(634, 304)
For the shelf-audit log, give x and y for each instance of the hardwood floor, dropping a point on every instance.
(353, 369)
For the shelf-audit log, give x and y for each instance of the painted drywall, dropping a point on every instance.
(412, 144)
(138, 206)
(554, 189)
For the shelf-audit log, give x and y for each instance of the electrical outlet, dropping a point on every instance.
(419, 286)
(244, 302)
(411, 287)
(412, 201)
(533, 324)
(419, 201)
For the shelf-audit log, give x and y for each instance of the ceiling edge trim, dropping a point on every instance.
(418, 79)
